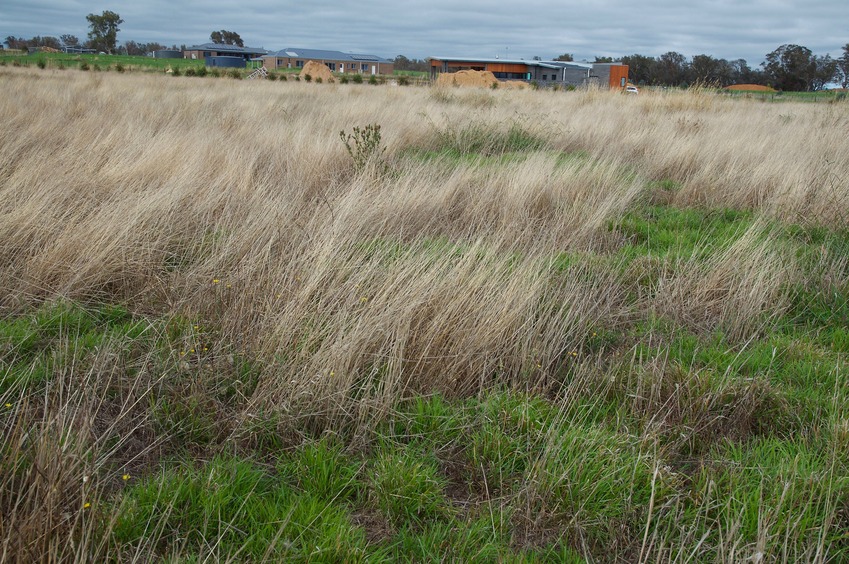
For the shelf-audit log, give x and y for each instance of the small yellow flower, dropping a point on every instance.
(125, 477)
(182, 353)
(229, 286)
(196, 327)
(363, 300)
(192, 350)
(332, 373)
(86, 505)
(215, 280)
(8, 405)
(205, 349)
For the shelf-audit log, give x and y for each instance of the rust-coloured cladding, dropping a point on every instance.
(618, 76)
(506, 67)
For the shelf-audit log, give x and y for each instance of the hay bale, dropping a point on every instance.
(317, 70)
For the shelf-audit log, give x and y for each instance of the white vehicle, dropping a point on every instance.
(632, 89)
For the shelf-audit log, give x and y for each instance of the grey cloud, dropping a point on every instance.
(475, 27)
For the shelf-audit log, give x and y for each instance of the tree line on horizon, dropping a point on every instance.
(790, 67)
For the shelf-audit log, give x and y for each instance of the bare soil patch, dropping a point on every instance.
(750, 88)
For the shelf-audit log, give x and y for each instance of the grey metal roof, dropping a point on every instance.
(529, 62)
(327, 55)
(227, 49)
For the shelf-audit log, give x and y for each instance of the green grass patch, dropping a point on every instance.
(36, 345)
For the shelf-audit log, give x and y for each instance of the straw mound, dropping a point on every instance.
(750, 88)
(317, 70)
(480, 79)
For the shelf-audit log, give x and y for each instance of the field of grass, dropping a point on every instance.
(95, 62)
(520, 326)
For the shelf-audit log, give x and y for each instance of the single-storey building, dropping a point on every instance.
(545, 73)
(205, 50)
(336, 61)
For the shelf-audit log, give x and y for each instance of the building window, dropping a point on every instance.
(545, 77)
(331, 66)
(206, 53)
(364, 67)
(299, 64)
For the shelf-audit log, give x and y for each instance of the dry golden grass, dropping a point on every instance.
(235, 205)
(145, 189)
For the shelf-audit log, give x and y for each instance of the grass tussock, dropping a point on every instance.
(505, 325)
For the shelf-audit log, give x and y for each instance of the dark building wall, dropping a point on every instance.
(225, 62)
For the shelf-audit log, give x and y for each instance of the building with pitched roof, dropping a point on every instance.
(544, 73)
(336, 61)
(205, 50)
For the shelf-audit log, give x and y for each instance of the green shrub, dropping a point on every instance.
(190, 71)
(84, 66)
(95, 67)
(271, 76)
(119, 67)
(358, 79)
(283, 77)
(215, 73)
(236, 74)
(403, 81)
(41, 63)
(308, 77)
(343, 79)
(372, 79)
(201, 71)
(175, 72)
(318, 80)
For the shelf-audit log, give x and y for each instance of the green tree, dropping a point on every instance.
(642, 69)
(565, 57)
(224, 37)
(104, 30)
(672, 69)
(69, 40)
(604, 59)
(843, 67)
(795, 68)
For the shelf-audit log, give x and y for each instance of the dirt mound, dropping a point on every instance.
(317, 70)
(750, 88)
(479, 79)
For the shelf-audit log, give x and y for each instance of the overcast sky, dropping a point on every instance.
(481, 28)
